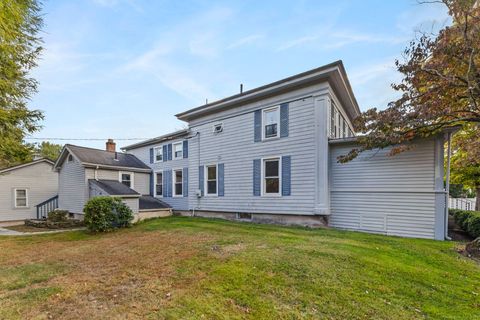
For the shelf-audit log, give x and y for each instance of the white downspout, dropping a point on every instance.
(447, 182)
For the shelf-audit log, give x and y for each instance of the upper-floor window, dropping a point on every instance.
(178, 183)
(211, 181)
(21, 198)
(271, 176)
(158, 154)
(271, 122)
(178, 150)
(127, 179)
(70, 158)
(159, 184)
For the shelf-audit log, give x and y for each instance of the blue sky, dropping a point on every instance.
(122, 69)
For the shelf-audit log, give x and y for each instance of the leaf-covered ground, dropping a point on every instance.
(191, 268)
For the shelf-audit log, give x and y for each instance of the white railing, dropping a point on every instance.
(462, 203)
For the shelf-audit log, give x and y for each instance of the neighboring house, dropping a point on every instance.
(269, 155)
(84, 173)
(25, 186)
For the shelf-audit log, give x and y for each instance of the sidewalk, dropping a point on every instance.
(7, 232)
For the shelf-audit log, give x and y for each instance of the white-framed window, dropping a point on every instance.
(158, 153)
(21, 198)
(177, 182)
(271, 122)
(178, 150)
(345, 133)
(211, 180)
(70, 158)
(126, 178)
(271, 176)
(218, 127)
(159, 183)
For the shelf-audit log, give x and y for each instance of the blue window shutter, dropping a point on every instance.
(185, 149)
(165, 153)
(286, 175)
(151, 155)
(169, 151)
(200, 178)
(170, 183)
(221, 180)
(284, 120)
(257, 176)
(185, 182)
(257, 126)
(165, 183)
(151, 183)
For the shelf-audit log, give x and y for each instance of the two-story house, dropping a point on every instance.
(269, 155)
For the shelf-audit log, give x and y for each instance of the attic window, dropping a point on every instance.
(217, 128)
(70, 158)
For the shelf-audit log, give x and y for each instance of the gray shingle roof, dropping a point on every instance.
(114, 188)
(106, 158)
(166, 137)
(149, 202)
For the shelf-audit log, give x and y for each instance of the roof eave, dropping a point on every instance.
(326, 72)
(167, 137)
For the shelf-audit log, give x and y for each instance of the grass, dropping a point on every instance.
(185, 268)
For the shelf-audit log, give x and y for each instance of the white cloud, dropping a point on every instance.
(297, 42)
(245, 41)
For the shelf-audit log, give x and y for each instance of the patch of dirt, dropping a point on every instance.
(124, 273)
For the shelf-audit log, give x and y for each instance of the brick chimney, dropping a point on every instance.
(110, 146)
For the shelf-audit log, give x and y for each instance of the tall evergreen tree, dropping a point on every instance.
(20, 47)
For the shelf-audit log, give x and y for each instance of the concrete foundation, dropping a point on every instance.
(149, 214)
(313, 221)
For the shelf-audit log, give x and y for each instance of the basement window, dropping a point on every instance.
(244, 216)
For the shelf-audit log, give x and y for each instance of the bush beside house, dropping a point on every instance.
(106, 213)
(469, 221)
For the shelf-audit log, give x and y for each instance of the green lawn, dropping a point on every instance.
(192, 268)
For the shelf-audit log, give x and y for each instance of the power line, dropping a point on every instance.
(87, 139)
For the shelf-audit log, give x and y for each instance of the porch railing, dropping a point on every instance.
(46, 206)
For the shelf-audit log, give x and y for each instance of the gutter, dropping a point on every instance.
(447, 181)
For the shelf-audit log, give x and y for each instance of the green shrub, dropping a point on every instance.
(469, 221)
(57, 215)
(106, 213)
(473, 224)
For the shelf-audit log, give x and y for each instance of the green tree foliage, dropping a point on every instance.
(465, 168)
(20, 47)
(49, 150)
(440, 88)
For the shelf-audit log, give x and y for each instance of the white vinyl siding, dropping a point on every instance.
(236, 148)
(392, 195)
(142, 153)
(41, 183)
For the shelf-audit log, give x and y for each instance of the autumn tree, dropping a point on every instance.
(20, 46)
(440, 89)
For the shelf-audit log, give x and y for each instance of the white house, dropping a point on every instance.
(26, 186)
(269, 155)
